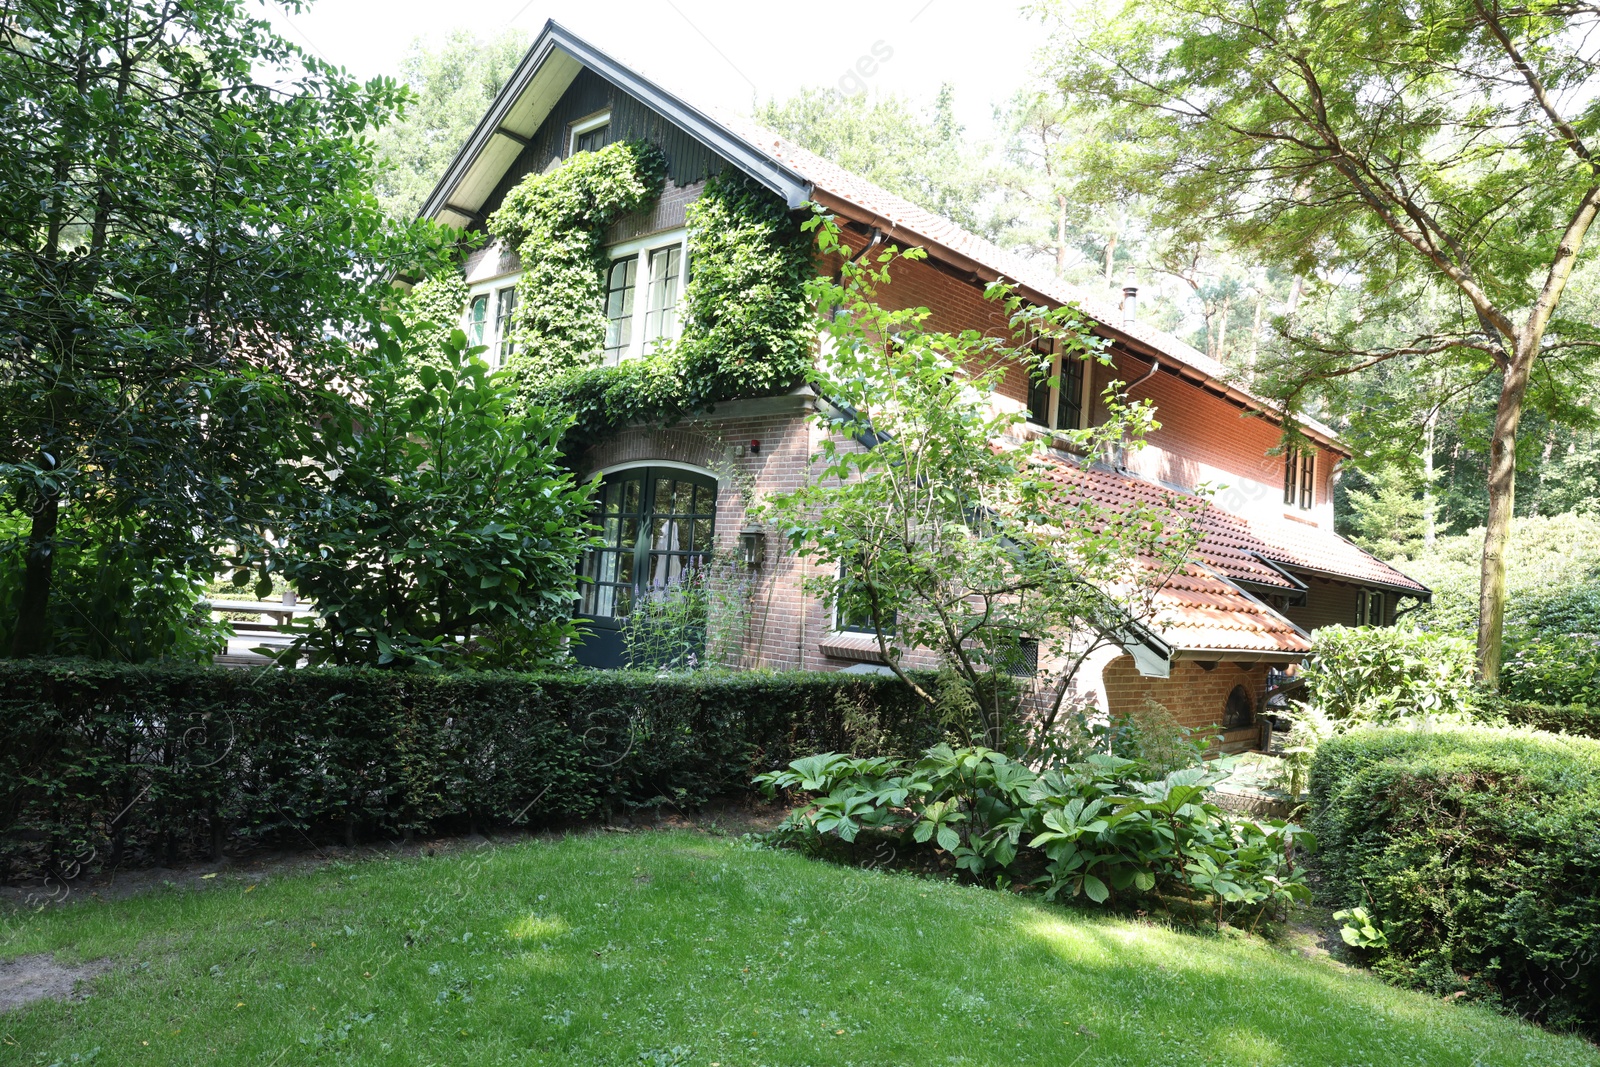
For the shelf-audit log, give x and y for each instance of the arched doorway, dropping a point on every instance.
(659, 525)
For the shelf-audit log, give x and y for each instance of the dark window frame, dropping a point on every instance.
(1300, 478)
(615, 510)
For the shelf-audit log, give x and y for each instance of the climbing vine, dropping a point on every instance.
(748, 328)
(747, 325)
(557, 222)
(432, 311)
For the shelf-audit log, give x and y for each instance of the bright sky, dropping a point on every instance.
(723, 52)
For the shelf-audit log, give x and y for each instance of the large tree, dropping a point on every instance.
(451, 85)
(1415, 147)
(189, 246)
(922, 155)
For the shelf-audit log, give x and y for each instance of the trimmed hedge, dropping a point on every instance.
(1478, 851)
(103, 763)
(1573, 719)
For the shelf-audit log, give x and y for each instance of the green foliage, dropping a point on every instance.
(1555, 669)
(1387, 518)
(129, 764)
(919, 154)
(1475, 850)
(1096, 828)
(666, 629)
(747, 326)
(1552, 577)
(1360, 675)
(189, 252)
(1360, 930)
(944, 541)
(1576, 719)
(450, 86)
(112, 598)
(556, 222)
(431, 312)
(1160, 743)
(442, 527)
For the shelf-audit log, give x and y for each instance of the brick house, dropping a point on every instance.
(1270, 570)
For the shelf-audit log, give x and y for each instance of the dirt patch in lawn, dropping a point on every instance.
(30, 978)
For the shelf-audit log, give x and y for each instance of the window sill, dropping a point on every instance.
(862, 648)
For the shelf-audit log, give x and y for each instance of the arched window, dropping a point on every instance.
(659, 525)
(1240, 711)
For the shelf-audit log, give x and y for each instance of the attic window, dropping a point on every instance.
(1061, 406)
(590, 134)
(1300, 478)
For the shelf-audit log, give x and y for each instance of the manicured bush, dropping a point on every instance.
(1475, 850)
(1578, 719)
(105, 763)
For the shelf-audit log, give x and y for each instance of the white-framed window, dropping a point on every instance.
(1300, 478)
(644, 288)
(505, 313)
(1064, 405)
(589, 134)
(490, 319)
(478, 320)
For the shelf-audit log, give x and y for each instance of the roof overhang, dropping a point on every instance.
(554, 60)
(1423, 594)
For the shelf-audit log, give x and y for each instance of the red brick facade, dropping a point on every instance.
(1195, 696)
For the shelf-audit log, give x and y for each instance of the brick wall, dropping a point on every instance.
(1196, 697)
(1203, 438)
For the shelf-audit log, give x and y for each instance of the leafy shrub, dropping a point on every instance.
(1474, 849)
(1554, 669)
(442, 525)
(1386, 674)
(1552, 576)
(1095, 828)
(1576, 719)
(126, 764)
(1158, 741)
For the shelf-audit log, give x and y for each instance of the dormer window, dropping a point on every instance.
(1064, 405)
(590, 134)
(1300, 478)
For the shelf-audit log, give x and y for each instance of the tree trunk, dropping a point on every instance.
(33, 610)
(1111, 257)
(1429, 502)
(1061, 235)
(1502, 505)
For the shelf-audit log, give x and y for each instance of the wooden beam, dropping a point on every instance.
(514, 135)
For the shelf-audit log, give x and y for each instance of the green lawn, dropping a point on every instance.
(663, 948)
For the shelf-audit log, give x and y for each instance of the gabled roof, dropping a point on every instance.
(798, 176)
(554, 60)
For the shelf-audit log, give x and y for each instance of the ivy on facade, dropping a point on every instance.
(747, 326)
(557, 222)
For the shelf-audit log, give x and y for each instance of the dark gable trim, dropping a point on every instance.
(793, 188)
